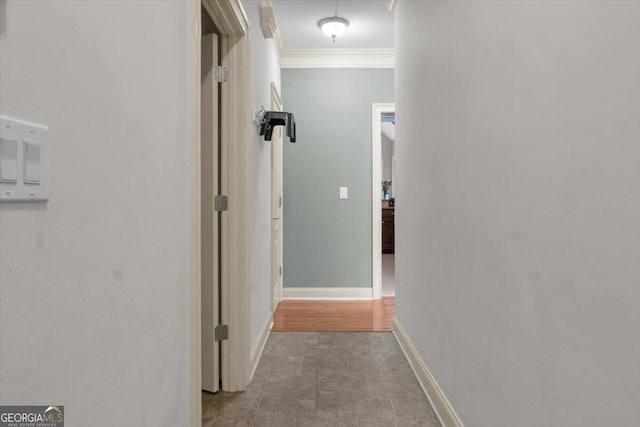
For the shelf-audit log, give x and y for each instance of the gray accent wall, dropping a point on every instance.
(327, 241)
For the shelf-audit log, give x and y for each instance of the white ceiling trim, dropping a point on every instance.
(279, 47)
(268, 22)
(338, 58)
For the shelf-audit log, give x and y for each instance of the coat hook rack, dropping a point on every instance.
(259, 116)
(267, 120)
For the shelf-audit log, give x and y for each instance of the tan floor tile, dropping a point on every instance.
(376, 423)
(305, 421)
(333, 379)
(326, 416)
(218, 423)
(245, 417)
(260, 422)
(347, 422)
(403, 408)
(373, 409)
(306, 409)
(409, 422)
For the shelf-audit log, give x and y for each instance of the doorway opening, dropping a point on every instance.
(383, 202)
(231, 25)
(388, 162)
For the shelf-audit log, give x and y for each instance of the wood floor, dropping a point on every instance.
(334, 316)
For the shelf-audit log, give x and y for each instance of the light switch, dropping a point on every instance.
(8, 160)
(24, 169)
(32, 152)
(344, 192)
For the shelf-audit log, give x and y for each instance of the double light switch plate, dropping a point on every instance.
(24, 168)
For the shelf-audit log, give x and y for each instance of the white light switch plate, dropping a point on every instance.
(9, 160)
(31, 183)
(344, 192)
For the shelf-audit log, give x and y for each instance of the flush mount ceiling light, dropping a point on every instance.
(334, 26)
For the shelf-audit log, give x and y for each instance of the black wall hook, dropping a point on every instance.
(272, 119)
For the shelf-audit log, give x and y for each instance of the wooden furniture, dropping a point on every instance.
(388, 229)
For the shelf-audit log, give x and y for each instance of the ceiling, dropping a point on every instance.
(370, 24)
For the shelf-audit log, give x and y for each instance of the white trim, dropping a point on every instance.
(392, 5)
(279, 48)
(231, 21)
(193, 114)
(276, 99)
(376, 202)
(268, 22)
(336, 58)
(229, 17)
(258, 346)
(330, 293)
(445, 412)
(277, 39)
(277, 150)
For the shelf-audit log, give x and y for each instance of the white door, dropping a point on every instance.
(276, 206)
(209, 218)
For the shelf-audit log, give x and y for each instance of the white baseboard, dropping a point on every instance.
(327, 293)
(258, 346)
(444, 410)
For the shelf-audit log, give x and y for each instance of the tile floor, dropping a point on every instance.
(326, 379)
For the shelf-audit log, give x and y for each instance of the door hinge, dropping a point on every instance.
(220, 203)
(221, 332)
(221, 73)
(280, 201)
(280, 270)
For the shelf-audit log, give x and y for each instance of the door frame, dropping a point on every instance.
(276, 105)
(209, 241)
(232, 24)
(377, 109)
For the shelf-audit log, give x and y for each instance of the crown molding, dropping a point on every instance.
(275, 36)
(277, 39)
(268, 22)
(328, 58)
(337, 58)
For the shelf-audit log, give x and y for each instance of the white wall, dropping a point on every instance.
(518, 236)
(264, 70)
(94, 284)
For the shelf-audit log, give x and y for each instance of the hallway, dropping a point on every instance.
(326, 379)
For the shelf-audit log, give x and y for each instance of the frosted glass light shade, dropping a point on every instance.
(334, 27)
